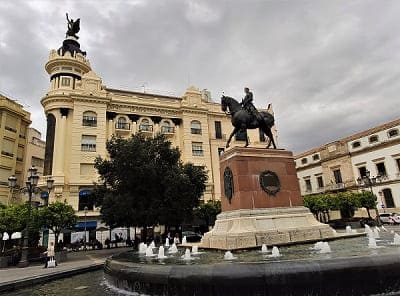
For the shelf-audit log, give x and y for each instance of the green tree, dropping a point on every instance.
(367, 200)
(146, 184)
(13, 219)
(208, 211)
(57, 216)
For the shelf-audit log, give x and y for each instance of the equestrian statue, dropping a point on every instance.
(245, 116)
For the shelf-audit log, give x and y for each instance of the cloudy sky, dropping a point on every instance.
(330, 68)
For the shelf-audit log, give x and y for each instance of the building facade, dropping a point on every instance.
(342, 165)
(14, 123)
(82, 114)
(35, 151)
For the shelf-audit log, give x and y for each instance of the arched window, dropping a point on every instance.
(89, 118)
(86, 199)
(167, 128)
(195, 127)
(145, 125)
(123, 124)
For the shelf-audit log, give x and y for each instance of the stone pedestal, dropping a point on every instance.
(261, 202)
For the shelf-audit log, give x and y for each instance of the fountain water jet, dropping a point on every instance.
(161, 254)
(142, 248)
(229, 256)
(149, 251)
(396, 239)
(184, 242)
(264, 248)
(173, 249)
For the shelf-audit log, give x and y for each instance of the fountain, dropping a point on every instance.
(261, 204)
(152, 245)
(322, 247)
(149, 251)
(184, 242)
(161, 254)
(229, 256)
(376, 232)
(396, 239)
(195, 250)
(264, 248)
(275, 252)
(166, 242)
(173, 249)
(187, 255)
(142, 248)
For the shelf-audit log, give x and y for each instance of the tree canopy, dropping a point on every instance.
(58, 216)
(145, 183)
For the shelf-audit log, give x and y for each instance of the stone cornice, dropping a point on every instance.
(379, 146)
(139, 109)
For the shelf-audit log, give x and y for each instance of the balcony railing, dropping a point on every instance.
(197, 152)
(89, 121)
(167, 129)
(196, 131)
(145, 128)
(88, 147)
(123, 126)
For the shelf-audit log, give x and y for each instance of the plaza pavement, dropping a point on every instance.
(77, 262)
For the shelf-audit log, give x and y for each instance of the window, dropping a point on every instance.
(315, 157)
(195, 127)
(4, 174)
(380, 167)
(373, 139)
(303, 160)
(338, 176)
(11, 123)
(145, 126)
(88, 143)
(393, 133)
(8, 147)
(89, 119)
(218, 130)
(86, 199)
(221, 151)
(197, 149)
(320, 182)
(398, 163)
(65, 81)
(308, 185)
(87, 169)
(362, 171)
(122, 124)
(166, 128)
(356, 144)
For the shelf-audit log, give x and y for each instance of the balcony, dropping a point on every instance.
(167, 130)
(146, 128)
(123, 126)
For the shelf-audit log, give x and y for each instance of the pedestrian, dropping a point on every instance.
(50, 254)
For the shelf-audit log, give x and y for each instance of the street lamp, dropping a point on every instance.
(370, 182)
(85, 209)
(12, 183)
(49, 183)
(31, 187)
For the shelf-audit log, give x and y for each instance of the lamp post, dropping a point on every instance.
(31, 187)
(370, 182)
(49, 183)
(12, 183)
(85, 209)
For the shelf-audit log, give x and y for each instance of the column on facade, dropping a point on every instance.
(177, 122)
(134, 118)
(59, 149)
(110, 129)
(156, 120)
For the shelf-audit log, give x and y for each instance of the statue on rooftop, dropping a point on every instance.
(73, 27)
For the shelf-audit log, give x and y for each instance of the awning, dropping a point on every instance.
(90, 225)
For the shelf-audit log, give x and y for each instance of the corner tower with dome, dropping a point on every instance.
(82, 114)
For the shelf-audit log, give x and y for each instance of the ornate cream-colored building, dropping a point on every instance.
(82, 114)
(341, 165)
(14, 122)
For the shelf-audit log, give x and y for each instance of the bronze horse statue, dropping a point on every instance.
(242, 120)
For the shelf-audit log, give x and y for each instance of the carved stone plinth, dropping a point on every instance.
(262, 203)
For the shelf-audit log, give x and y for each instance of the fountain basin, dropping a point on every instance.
(351, 268)
(363, 275)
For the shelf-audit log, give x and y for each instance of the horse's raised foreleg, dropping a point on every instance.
(235, 130)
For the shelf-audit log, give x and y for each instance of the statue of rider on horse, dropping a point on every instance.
(245, 116)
